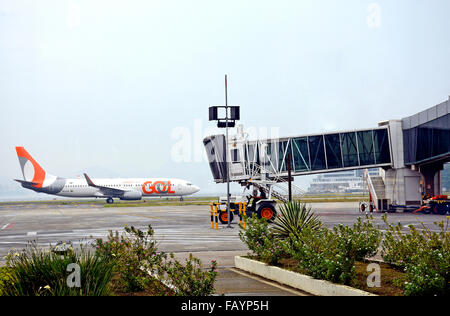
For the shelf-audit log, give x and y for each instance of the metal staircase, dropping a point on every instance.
(379, 187)
(276, 186)
(376, 190)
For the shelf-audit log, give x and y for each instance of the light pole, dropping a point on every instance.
(226, 153)
(231, 116)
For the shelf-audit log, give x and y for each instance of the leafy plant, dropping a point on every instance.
(261, 240)
(190, 279)
(364, 237)
(423, 254)
(139, 266)
(125, 262)
(36, 272)
(136, 259)
(6, 277)
(399, 248)
(293, 218)
(330, 254)
(255, 234)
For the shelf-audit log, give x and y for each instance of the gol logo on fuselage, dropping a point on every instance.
(159, 187)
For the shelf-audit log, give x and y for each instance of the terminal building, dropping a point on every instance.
(409, 153)
(351, 181)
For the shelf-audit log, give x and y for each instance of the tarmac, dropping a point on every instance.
(178, 229)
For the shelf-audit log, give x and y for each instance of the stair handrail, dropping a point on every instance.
(372, 191)
(276, 182)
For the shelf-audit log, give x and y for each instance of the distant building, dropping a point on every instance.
(341, 182)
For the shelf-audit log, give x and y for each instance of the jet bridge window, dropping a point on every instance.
(349, 149)
(301, 154)
(333, 147)
(317, 151)
(365, 146)
(381, 144)
(283, 155)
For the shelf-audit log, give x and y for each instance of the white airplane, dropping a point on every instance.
(35, 178)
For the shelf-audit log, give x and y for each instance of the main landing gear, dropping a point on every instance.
(110, 200)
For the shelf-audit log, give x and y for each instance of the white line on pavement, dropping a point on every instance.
(6, 225)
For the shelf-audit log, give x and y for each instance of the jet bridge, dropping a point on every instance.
(265, 163)
(410, 152)
(269, 159)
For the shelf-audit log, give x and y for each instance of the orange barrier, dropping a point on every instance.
(215, 209)
(242, 214)
(214, 215)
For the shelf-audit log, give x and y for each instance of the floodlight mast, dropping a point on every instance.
(226, 153)
(226, 122)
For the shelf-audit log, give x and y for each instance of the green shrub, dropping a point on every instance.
(261, 240)
(140, 267)
(293, 218)
(423, 254)
(136, 259)
(423, 280)
(399, 248)
(363, 238)
(38, 272)
(6, 277)
(331, 254)
(190, 279)
(126, 262)
(255, 234)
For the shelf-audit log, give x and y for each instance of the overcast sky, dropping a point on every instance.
(107, 86)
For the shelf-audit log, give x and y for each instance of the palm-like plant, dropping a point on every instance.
(293, 218)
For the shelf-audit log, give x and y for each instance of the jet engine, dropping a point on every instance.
(131, 195)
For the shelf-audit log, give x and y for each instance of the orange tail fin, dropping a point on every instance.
(31, 170)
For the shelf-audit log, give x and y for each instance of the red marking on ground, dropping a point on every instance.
(9, 226)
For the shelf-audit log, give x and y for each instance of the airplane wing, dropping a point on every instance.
(107, 191)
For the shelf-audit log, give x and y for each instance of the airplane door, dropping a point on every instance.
(237, 168)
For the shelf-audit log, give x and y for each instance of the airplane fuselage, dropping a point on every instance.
(148, 187)
(37, 179)
(135, 188)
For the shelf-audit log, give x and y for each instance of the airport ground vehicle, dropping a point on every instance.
(439, 204)
(249, 205)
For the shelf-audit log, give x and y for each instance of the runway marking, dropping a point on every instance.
(31, 233)
(7, 226)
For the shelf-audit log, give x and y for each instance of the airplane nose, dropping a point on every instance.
(195, 188)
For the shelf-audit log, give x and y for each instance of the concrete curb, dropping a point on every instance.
(297, 280)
